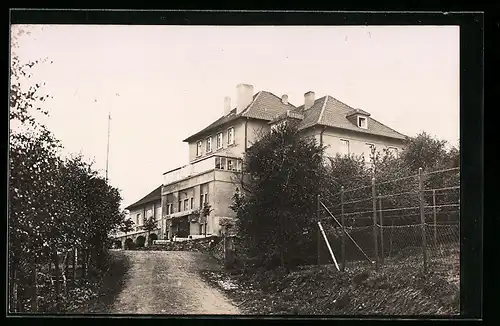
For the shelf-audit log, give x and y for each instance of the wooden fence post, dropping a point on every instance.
(34, 287)
(375, 243)
(318, 216)
(434, 215)
(381, 216)
(14, 290)
(422, 218)
(390, 237)
(342, 243)
(57, 285)
(228, 251)
(75, 262)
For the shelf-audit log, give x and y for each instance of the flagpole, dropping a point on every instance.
(109, 130)
(107, 150)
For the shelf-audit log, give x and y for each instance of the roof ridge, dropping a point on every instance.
(336, 99)
(251, 104)
(279, 98)
(322, 109)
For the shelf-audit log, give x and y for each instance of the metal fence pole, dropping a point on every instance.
(375, 243)
(318, 216)
(381, 229)
(422, 217)
(342, 244)
(434, 213)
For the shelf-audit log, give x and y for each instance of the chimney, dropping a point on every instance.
(284, 99)
(308, 100)
(227, 105)
(244, 96)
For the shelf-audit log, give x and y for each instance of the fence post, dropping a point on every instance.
(434, 214)
(381, 229)
(342, 243)
(75, 262)
(318, 214)
(422, 217)
(375, 243)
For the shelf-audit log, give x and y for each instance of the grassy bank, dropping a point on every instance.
(398, 288)
(97, 295)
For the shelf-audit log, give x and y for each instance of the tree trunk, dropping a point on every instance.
(75, 262)
(282, 242)
(57, 287)
(34, 290)
(84, 263)
(66, 264)
(65, 271)
(13, 287)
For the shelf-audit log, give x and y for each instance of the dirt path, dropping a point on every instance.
(168, 282)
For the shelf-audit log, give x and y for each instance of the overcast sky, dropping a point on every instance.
(172, 80)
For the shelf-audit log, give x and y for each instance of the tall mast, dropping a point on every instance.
(107, 150)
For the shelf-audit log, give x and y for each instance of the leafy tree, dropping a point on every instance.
(127, 226)
(205, 213)
(150, 224)
(424, 151)
(55, 204)
(286, 174)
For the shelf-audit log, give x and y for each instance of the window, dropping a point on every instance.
(230, 136)
(219, 140)
(362, 122)
(222, 163)
(344, 147)
(186, 204)
(217, 162)
(229, 164)
(240, 164)
(393, 151)
(209, 144)
(170, 209)
(198, 148)
(370, 148)
(203, 199)
(180, 206)
(192, 203)
(137, 219)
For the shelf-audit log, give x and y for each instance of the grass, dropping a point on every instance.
(399, 288)
(98, 295)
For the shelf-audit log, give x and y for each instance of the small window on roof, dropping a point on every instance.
(362, 122)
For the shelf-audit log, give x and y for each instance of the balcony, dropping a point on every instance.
(215, 162)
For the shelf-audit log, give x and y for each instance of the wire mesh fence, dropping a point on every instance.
(393, 221)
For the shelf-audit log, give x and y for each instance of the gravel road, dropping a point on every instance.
(168, 282)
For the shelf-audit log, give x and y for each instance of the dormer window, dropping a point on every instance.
(362, 122)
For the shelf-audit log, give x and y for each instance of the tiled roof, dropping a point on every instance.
(328, 111)
(357, 111)
(151, 197)
(264, 106)
(288, 114)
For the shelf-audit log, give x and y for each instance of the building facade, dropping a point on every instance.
(147, 207)
(216, 155)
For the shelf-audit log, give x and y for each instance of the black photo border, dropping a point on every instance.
(471, 108)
